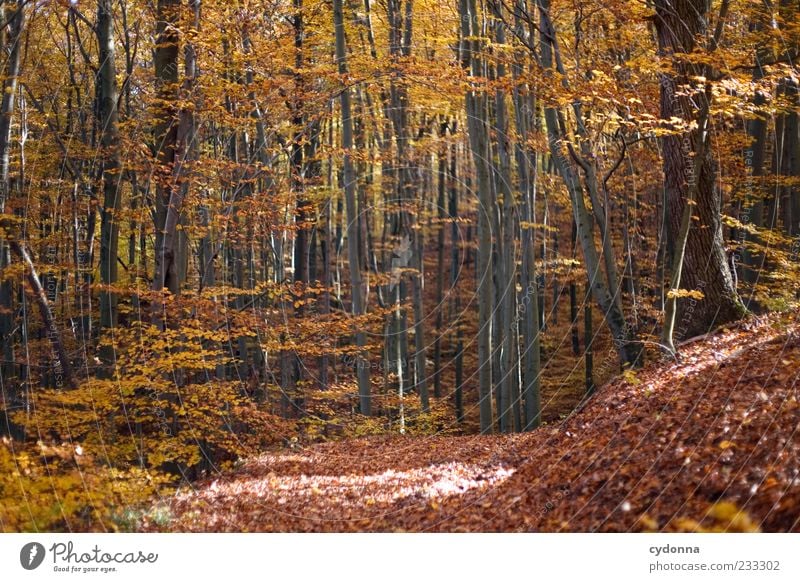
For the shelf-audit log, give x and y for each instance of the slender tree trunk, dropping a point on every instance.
(507, 382)
(792, 144)
(112, 172)
(628, 348)
(477, 112)
(454, 270)
(168, 194)
(359, 307)
(441, 213)
(588, 342)
(13, 15)
(573, 301)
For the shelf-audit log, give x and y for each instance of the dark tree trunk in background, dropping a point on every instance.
(588, 341)
(441, 213)
(573, 301)
(452, 213)
(359, 307)
(12, 18)
(112, 175)
(168, 194)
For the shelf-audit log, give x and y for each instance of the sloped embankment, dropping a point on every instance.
(678, 446)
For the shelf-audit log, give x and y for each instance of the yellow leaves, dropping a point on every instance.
(154, 397)
(684, 293)
(631, 377)
(731, 518)
(59, 494)
(525, 225)
(725, 445)
(722, 516)
(736, 223)
(63, 452)
(647, 523)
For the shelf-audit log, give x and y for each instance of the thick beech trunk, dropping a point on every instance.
(705, 264)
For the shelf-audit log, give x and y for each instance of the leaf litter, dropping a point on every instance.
(706, 443)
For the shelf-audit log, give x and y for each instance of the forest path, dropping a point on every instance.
(677, 446)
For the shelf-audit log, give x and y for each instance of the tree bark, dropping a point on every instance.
(705, 266)
(507, 384)
(112, 172)
(13, 15)
(359, 307)
(168, 194)
(477, 113)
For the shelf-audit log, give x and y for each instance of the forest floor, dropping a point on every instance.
(705, 443)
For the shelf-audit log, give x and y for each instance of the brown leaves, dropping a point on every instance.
(709, 449)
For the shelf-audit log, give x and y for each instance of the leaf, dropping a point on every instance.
(683, 293)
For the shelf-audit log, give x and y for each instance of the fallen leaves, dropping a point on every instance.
(709, 445)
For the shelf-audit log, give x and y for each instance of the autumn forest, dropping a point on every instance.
(399, 265)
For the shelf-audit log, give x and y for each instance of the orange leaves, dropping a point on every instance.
(617, 465)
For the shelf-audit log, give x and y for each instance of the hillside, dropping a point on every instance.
(708, 442)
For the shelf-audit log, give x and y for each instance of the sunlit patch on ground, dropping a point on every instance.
(433, 482)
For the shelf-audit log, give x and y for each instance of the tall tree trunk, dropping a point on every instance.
(13, 15)
(441, 213)
(288, 357)
(507, 386)
(359, 307)
(705, 265)
(168, 193)
(528, 304)
(477, 118)
(792, 154)
(112, 172)
(454, 270)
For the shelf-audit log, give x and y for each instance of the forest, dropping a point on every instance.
(399, 265)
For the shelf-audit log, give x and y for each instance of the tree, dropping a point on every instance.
(477, 111)
(689, 177)
(13, 14)
(169, 195)
(359, 306)
(107, 96)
